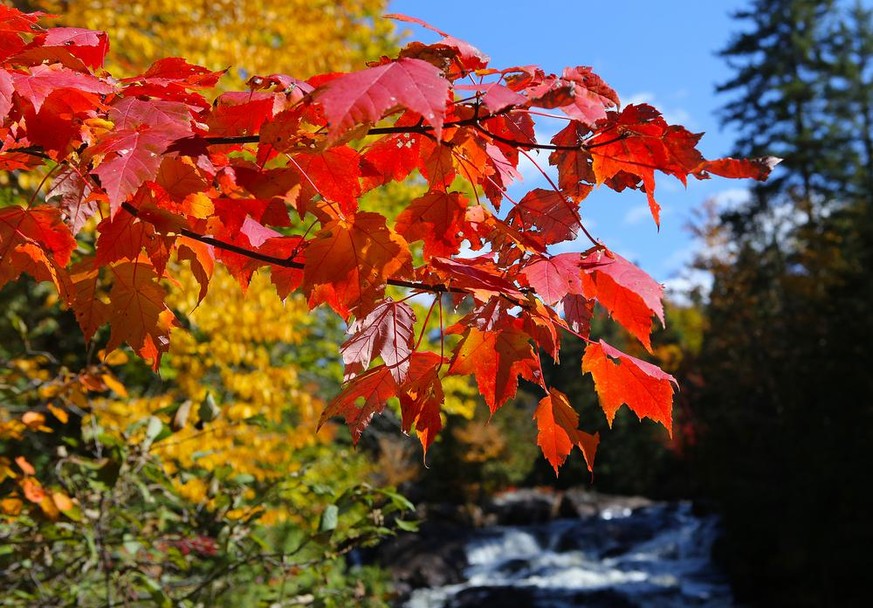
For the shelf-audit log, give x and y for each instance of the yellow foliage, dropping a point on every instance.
(298, 37)
(230, 353)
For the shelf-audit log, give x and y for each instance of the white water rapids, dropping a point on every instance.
(655, 557)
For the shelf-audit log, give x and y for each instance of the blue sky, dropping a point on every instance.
(662, 53)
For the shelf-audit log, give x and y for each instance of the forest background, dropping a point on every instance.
(227, 478)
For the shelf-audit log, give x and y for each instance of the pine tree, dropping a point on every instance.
(786, 354)
(780, 84)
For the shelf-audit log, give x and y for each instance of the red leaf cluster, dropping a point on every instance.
(272, 177)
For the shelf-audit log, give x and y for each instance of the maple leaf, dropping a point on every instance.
(421, 397)
(366, 96)
(591, 95)
(389, 158)
(386, 332)
(89, 308)
(177, 71)
(375, 387)
(240, 114)
(479, 276)
(202, 260)
(753, 168)
(575, 173)
(555, 277)
(334, 174)
(497, 358)
(173, 117)
(7, 88)
(437, 165)
(350, 259)
(436, 218)
(34, 241)
(557, 431)
(455, 57)
(76, 203)
(630, 295)
(620, 379)
(578, 311)
(43, 80)
(130, 157)
(138, 315)
(125, 236)
(495, 96)
(636, 142)
(550, 213)
(89, 46)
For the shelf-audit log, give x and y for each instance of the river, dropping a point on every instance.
(656, 556)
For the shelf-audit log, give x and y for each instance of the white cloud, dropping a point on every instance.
(637, 214)
(674, 115)
(678, 289)
(731, 199)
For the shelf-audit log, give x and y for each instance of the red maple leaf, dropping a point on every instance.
(630, 295)
(437, 218)
(350, 260)
(386, 332)
(34, 241)
(497, 358)
(366, 96)
(373, 389)
(620, 379)
(421, 398)
(138, 315)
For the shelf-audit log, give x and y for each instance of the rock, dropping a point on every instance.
(504, 597)
(432, 557)
(524, 507)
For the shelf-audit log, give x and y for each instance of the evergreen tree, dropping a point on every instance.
(787, 406)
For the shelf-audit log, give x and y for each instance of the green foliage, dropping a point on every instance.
(131, 539)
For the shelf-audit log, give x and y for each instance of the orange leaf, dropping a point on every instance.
(753, 168)
(349, 261)
(138, 314)
(62, 501)
(34, 241)
(620, 378)
(437, 219)
(557, 432)
(90, 310)
(422, 398)
(636, 142)
(32, 490)
(497, 358)
(25, 466)
(375, 387)
(630, 295)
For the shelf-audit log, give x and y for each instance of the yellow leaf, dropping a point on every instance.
(62, 501)
(11, 506)
(198, 205)
(113, 383)
(59, 413)
(34, 421)
(115, 357)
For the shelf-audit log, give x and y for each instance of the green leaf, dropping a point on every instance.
(329, 519)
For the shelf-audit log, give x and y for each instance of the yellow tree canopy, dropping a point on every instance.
(298, 37)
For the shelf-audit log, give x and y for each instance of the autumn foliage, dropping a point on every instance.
(276, 177)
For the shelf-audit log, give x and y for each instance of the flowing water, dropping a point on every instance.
(653, 557)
